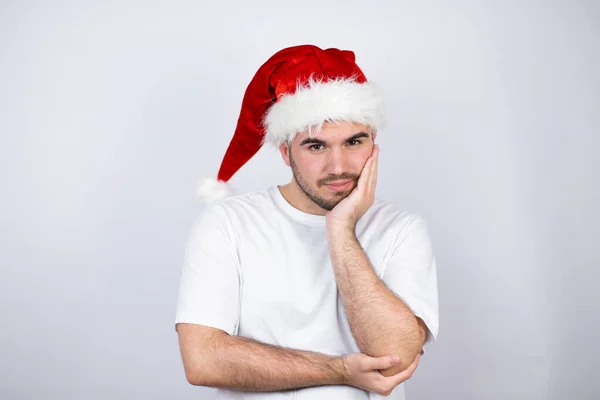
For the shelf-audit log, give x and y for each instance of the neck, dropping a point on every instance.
(298, 199)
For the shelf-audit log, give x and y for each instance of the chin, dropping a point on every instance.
(335, 197)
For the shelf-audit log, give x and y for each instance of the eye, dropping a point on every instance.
(355, 141)
(312, 147)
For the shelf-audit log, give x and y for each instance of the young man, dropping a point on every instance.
(314, 289)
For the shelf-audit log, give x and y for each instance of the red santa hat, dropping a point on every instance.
(296, 90)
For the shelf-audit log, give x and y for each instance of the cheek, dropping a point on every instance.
(359, 161)
(311, 168)
(313, 171)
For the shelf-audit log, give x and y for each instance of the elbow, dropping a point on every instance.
(408, 350)
(193, 376)
(198, 374)
(196, 346)
(196, 377)
(396, 369)
(408, 362)
(408, 356)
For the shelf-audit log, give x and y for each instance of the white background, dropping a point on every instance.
(111, 111)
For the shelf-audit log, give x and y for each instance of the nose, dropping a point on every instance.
(337, 161)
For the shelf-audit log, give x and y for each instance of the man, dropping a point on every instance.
(313, 289)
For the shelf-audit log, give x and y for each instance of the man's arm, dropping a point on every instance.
(380, 322)
(213, 358)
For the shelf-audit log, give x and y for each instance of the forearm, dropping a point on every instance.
(238, 363)
(380, 322)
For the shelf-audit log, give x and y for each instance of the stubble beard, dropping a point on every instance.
(326, 204)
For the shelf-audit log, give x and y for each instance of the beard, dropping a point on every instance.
(324, 203)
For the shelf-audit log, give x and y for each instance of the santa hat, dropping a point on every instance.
(296, 90)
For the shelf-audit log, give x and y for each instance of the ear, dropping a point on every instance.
(374, 135)
(285, 152)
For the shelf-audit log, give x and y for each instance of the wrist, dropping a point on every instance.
(341, 372)
(341, 229)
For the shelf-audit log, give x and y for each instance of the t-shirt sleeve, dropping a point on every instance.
(412, 275)
(209, 283)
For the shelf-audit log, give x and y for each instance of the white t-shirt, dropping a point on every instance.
(257, 267)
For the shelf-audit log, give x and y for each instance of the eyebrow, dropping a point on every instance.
(322, 142)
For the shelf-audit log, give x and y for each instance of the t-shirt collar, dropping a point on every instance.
(295, 213)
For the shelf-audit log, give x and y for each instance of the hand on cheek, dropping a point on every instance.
(352, 208)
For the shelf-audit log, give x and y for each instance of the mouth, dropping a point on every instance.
(338, 186)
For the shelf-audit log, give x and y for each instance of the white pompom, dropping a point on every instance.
(211, 190)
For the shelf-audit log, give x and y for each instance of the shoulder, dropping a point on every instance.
(243, 202)
(383, 210)
(238, 205)
(224, 217)
(399, 221)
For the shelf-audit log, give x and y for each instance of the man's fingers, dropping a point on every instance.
(405, 374)
(414, 364)
(383, 362)
(374, 167)
(363, 180)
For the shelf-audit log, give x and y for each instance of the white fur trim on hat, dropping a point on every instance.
(211, 190)
(318, 102)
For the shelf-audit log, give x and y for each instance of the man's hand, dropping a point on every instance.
(362, 372)
(348, 211)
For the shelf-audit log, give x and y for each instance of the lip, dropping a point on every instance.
(339, 185)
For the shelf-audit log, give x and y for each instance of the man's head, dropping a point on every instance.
(292, 94)
(326, 166)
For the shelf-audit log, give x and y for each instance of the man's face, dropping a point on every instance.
(327, 165)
